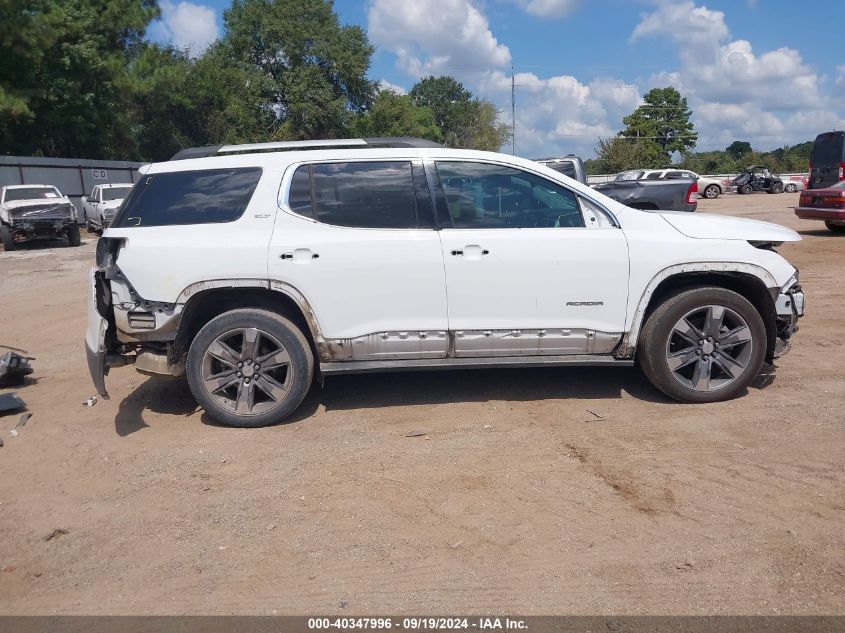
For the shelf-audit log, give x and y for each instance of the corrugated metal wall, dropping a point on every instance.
(74, 177)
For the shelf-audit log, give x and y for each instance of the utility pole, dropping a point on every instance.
(513, 112)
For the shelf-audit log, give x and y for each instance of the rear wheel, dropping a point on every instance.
(836, 228)
(711, 192)
(704, 344)
(73, 237)
(250, 368)
(7, 238)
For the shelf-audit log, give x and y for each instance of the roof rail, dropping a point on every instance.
(281, 146)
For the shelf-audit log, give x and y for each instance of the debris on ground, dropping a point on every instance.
(55, 533)
(14, 368)
(90, 402)
(13, 432)
(1, 442)
(599, 418)
(24, 419)
(11, 402)
(415, 433)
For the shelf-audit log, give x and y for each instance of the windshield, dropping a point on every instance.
(116, 193)
(31, 193)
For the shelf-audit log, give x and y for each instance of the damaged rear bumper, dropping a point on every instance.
(96, 332)
(789, 307)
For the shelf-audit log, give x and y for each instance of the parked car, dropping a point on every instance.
(570, 165)
(632, 174)
(827, 205)
(707, 187)
(251, 269)
(827, 160)
(101, 204)
(667, 195)
(791, 184)
(31, 212)
(757, 178)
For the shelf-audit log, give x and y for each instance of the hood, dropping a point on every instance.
(37, 202)
(723, 227)
(113, 204)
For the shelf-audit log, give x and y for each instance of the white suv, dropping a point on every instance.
(251, 268)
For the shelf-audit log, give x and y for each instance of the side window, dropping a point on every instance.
(362, 195)
(486, 196)
(189, 197)
(93, 195)
(675, 175)
(655, 175)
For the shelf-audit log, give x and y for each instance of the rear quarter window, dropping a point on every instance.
(206, 196)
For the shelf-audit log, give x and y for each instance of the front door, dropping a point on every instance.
(357, 239)
(532, 268)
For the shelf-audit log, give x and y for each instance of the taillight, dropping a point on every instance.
(692, 193)
(841, 171)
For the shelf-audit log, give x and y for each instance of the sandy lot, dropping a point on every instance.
(517, 500)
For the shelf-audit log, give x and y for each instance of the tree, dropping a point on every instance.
(315, 69)
(64, 79)
(664, 119)
(396, 115)
(738, 149)
(616, 154)
(464, 120)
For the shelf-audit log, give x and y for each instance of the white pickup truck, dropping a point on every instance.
(102, 203)
(31, 212)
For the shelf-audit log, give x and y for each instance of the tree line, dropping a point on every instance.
(79, 79)
(661, 129)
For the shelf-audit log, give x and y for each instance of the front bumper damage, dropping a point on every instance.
(789, 307)
(95, 336)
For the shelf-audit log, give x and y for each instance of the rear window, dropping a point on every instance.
(363, 195)
(565, 167)
(116, 193)
(189, 197)
(828, 149)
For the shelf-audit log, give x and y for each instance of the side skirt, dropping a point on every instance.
(372, 366)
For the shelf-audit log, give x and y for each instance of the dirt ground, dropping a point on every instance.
(517, 499)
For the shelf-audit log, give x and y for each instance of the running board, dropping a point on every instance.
(371, 366)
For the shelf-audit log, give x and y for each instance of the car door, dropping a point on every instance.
(356, 238)
(89, 204)
(526, 273)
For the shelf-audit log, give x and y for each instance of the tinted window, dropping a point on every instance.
(189, 197)
(564, 167)
(481, 195)
(828, 149)
(115, 193)
(655, 175)
(363, 195)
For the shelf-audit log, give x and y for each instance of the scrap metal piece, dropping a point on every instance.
(24, 419)
(11, 402)
(13, 368)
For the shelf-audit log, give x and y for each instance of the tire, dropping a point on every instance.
(790, 188)
(776, 188)
(836, 228)
(721, 368)
(218, 352)
(7, 238)
(73, 236)
(745, 189)
(711, 192)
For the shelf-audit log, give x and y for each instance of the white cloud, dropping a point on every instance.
(186, 26)
(383, 84)
(733, 91)
(548, 8)
(435, 36)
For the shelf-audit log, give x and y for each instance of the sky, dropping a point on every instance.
(771, 72)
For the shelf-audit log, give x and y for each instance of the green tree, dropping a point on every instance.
(485, 131)
(664, 119)
(315, 69)
(738, 149)
(617, 153)
(64, 75)
(396, 115)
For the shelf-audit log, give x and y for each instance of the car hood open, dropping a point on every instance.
(722, 227)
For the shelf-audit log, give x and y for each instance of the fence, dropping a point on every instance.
(74, 177)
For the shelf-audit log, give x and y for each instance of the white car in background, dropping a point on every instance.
(102, 203)
(709, 188)
(31, 212)
(791, 184)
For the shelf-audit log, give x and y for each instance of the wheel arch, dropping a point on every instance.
(749, 281)
(205, 301)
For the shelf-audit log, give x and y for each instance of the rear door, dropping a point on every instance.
(356, 238)
(532, 268)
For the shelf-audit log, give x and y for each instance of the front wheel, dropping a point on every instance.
(249, 367)
(711, 191)
(791, 188)
(73, 237)
(745, 189)
(7, 238)
(704, 344)
(776, 188)
(836, 228)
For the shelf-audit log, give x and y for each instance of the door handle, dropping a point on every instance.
(471, 250)
(300, 254)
